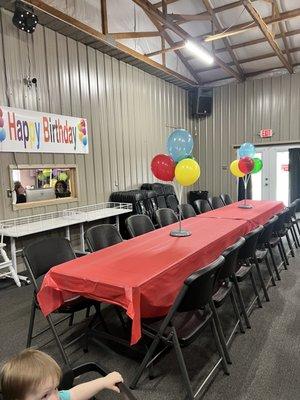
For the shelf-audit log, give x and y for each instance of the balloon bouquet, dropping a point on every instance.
(245, 166)
(179, 164)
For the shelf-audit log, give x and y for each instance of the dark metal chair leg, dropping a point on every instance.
(182, 366)
(31, 323)
(58, 342)
(284, 253)
(71, 320)
(255, 290)
(298, 228)
(241, 301)
(219, 347)
(274, 263)
(270, 270)
(290, 243)
(145, 361)
(295, 237)
(261, 280)
(236, 311)
(220, 331)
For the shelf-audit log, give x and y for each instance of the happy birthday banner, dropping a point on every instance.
(37, 132)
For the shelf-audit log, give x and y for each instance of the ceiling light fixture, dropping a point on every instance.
(200, 52)
(24, 18)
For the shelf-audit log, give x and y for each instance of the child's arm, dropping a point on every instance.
(87, 390)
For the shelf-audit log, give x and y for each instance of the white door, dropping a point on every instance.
(272, 182)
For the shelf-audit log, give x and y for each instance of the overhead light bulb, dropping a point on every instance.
(200, 52)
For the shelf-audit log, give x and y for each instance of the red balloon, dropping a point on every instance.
(246, 165)
(163, 167)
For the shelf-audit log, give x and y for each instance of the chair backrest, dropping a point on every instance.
(248, 249)
(231, 256)
(217, 202)
(282, 219)
(226, 199)
(102, 236)
(292, 207)
(172, 202)
(187, 211)
(138, 225)
(198, 287)
(44, 254)
(69, 376)
(267, 232)
(209, 200)
(165, 216)
(202, 206)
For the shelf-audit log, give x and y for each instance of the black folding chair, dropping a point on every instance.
(187, 211)
(293, 209)
(70, 374)
(165, 216)
(265, 245)
(226, 199)
(216, 202)
(138, 225)
(101, 236)
(226, 285)
(280, 231)
(172, 202)
(98, 238)
(245, 264)
(291, 222)
(39, 257)
(192, 310)
(201, 206)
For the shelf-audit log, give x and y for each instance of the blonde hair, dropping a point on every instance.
(26, 372)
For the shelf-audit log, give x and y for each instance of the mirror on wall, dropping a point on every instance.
(36, 185)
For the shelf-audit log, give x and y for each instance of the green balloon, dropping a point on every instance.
(258, 164)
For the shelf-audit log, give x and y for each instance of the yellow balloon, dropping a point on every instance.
(234, 169)
(187, 172)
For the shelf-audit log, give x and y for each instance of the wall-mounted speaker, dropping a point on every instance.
(200, 102)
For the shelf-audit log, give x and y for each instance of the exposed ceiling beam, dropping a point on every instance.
(250, 59)
(167, 22)
(134, 35)
(247, 26)
(283, 33)
(104, 17)
(268, 20)
(163, 41)
(105, 39)
(204, 16)
(170, 42)
(265, 31)
(159, 4)
(217, 25)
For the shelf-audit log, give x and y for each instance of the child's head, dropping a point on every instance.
(30, 375)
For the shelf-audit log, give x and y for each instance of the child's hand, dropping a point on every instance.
(111, 381)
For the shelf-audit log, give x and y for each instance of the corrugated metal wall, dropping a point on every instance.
(129, 112)
(240, 111)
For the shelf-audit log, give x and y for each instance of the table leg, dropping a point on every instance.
(68, 233)
(14, 261)
(118, 223)
(82, 244)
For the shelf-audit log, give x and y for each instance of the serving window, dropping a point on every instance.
(39, 185)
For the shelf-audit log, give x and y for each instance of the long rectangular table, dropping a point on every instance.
(143, 275)
(261, 211)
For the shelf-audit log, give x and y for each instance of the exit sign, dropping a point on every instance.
(266, 133)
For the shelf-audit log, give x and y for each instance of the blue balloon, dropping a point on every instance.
(2, 134)
(247, 150)
(180, 144)
(84, 140)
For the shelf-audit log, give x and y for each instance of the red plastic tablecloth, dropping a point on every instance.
(143, 275)
(261, 212)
